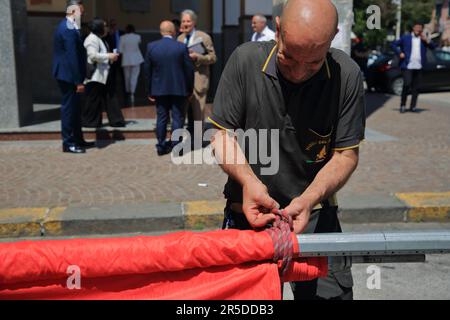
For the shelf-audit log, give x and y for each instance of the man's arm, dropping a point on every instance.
(71, 48)
(229, 114)
(333, 176)
(257, 204)
(210, 57)
(148, 70)
(395, 46)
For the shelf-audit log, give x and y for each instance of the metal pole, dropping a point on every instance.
(382, 247)
(399, 19)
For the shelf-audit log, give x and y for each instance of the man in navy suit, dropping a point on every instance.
(69, 69)
(170, 73)
(412, 50)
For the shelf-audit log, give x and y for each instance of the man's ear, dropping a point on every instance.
(278, 26)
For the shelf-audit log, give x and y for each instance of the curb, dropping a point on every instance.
(195, 216)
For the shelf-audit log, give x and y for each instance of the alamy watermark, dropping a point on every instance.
(374, 279)
(261, 146)
(374, 19)
(74, 280)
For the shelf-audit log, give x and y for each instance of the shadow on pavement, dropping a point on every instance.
(105, 138)
(375, 101)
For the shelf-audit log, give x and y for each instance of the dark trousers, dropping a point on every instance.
(411, 83)
(339, 283)
(165, 105)
(99, 98)
(70, 114)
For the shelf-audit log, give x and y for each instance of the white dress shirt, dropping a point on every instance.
(191, 37)
(72, 23)
(265, 35)
(415, 63)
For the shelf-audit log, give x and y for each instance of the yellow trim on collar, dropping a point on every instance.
(270, 57)
(218, 125)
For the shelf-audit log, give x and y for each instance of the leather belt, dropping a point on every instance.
(237, 207)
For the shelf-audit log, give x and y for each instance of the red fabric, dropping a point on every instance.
(217, 265)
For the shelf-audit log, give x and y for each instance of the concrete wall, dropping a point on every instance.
(16, 108)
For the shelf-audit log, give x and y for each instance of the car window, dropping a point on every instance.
(442, 55)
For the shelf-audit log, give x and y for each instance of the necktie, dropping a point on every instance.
(188, 37)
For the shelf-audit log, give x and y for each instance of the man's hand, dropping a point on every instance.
(258, 206)
(424, 37)
(402, 55)
(194, 55)
(151, 99)
(300, 211)
(80, 88)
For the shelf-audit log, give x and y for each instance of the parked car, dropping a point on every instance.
(384, 74)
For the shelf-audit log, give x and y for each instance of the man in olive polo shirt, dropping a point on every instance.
(314, 97)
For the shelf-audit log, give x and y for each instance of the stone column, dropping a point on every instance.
(16, 107)
(345, 10)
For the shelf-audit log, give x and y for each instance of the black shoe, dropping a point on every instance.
(164, 152)
(85, 144)
(73, 149)
(119, 125)
(413, 110)
(402, 109)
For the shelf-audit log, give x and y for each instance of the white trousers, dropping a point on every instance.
(131, 74)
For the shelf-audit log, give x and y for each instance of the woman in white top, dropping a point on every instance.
(131, 59)
(98, 66)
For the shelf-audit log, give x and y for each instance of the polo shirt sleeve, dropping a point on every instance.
(228, 108)
(352, 116)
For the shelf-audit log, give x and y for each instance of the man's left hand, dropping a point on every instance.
(300, 211)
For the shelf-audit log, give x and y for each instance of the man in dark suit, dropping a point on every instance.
(69, 69)
(412, 50)
(170, 73)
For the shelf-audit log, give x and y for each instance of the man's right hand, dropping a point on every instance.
(402, 55)
(80, 88)
(258, 206)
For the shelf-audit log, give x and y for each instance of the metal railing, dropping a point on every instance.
(381, 247)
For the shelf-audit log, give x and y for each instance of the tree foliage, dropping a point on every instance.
(412, 10)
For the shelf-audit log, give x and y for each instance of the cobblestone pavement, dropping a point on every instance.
(418, 160)
(404, 153)
(37, 176)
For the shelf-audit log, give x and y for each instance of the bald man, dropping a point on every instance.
(305, 102)
(261, 31)
(170, 74)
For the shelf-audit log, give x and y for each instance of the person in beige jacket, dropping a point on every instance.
(192, 37)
